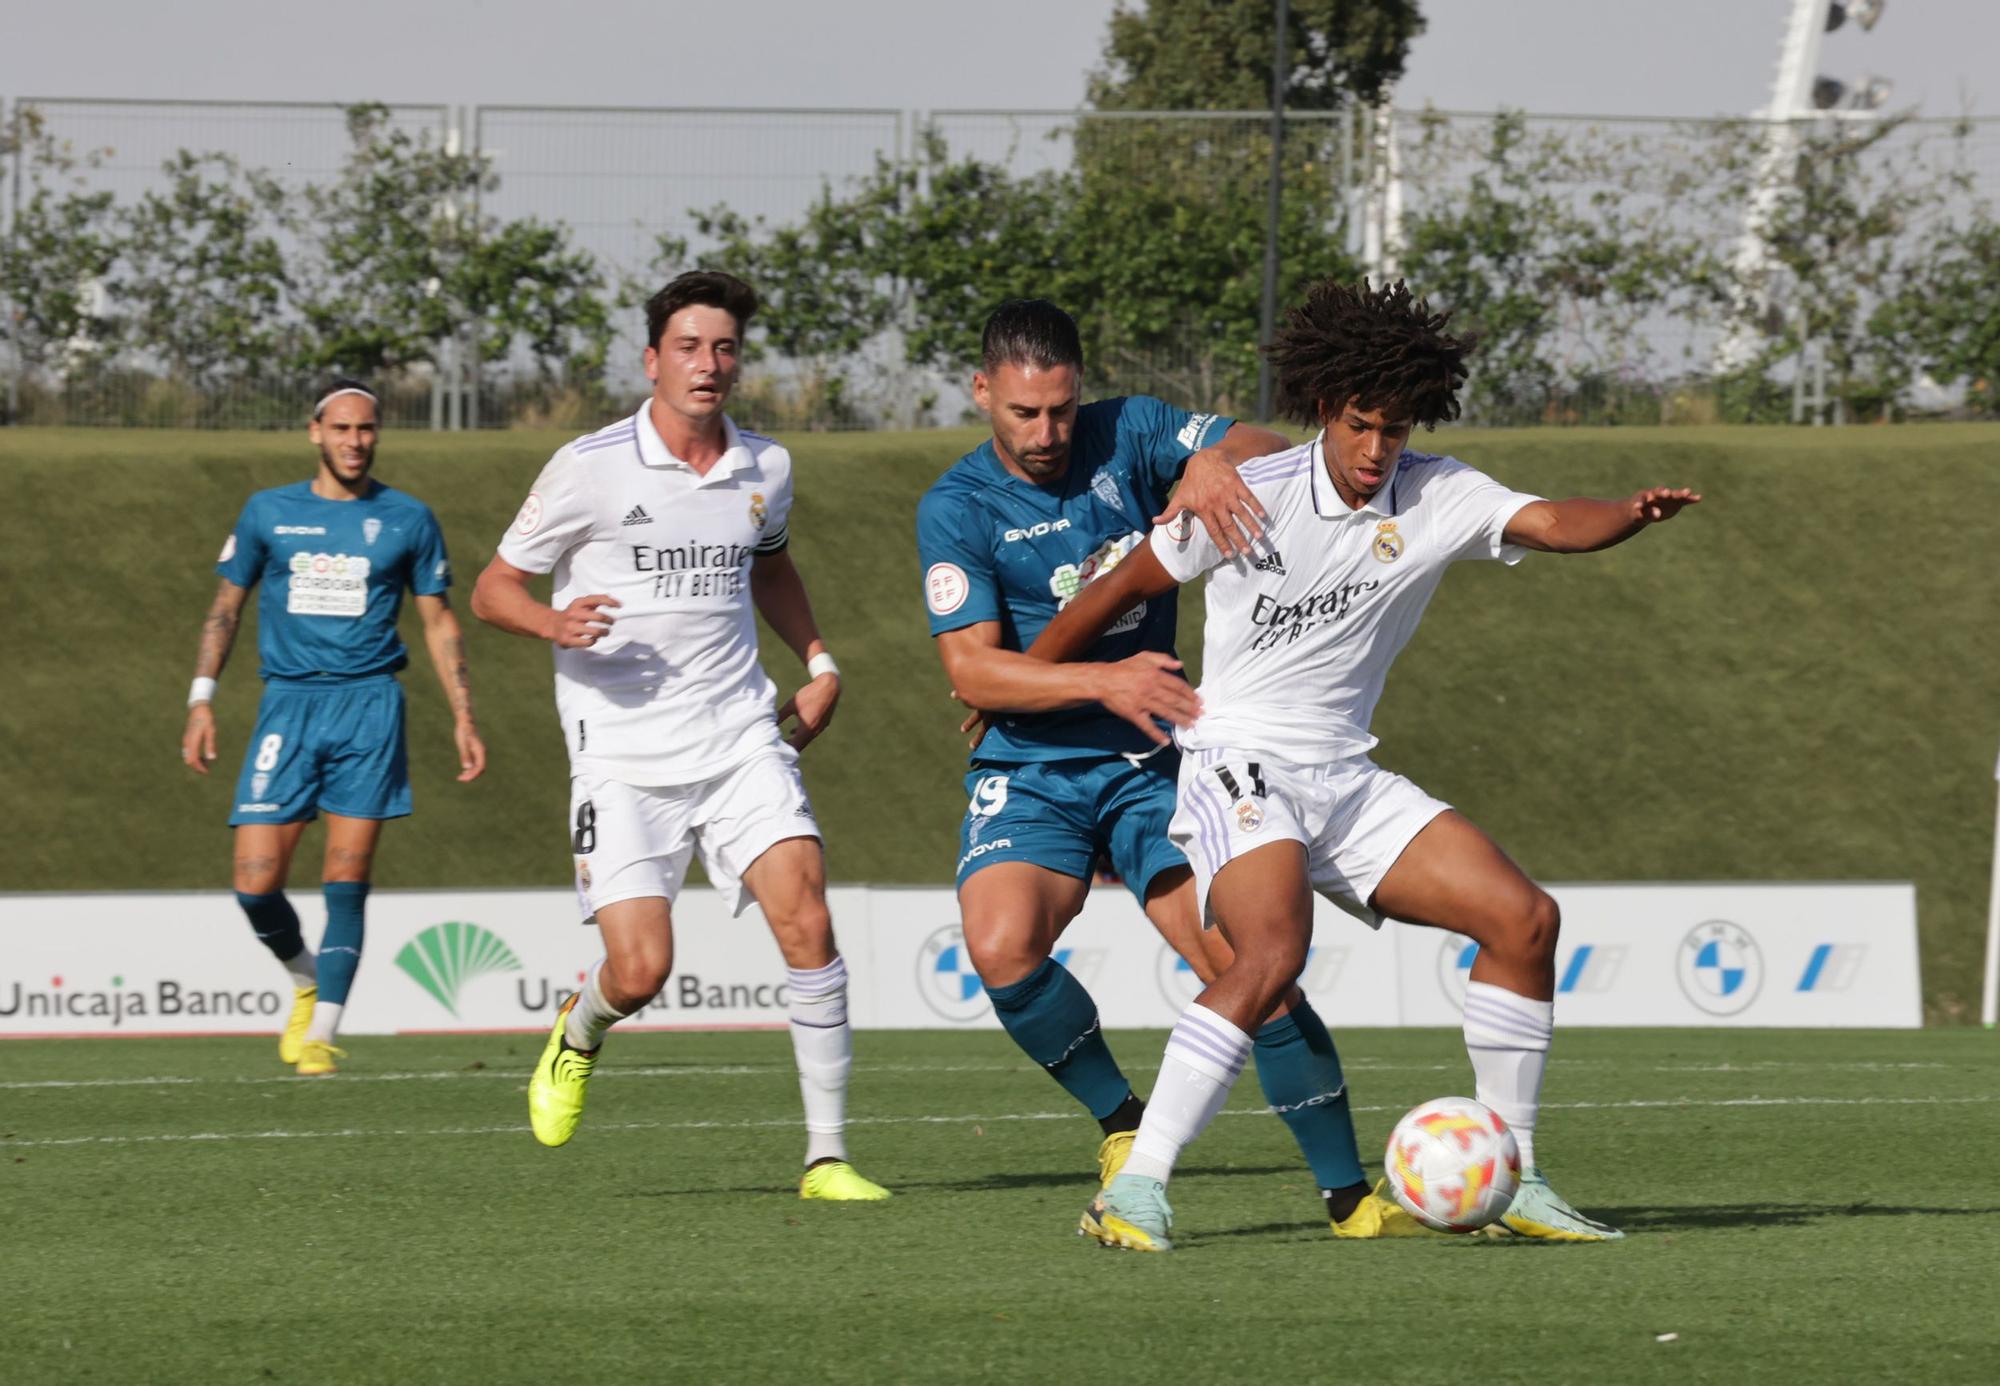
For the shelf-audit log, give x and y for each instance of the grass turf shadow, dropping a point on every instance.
(1666, 1219)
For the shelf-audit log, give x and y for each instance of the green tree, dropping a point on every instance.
(401, 261)
(61, 247)
(1215, 55)
(1947, 309)
(201, 273)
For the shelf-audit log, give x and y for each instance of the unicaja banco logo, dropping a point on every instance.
(444, 957)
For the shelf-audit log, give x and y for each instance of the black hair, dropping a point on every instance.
(1372, 348)
(1030, 332)
(340, 385)
(711, 289)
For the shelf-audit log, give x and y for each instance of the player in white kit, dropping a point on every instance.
(666, 533)
(1278, 798)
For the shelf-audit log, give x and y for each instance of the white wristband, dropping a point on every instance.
(201, 691)
(821, 663)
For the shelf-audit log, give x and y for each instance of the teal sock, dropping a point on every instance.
(275, 923)
(1299, 1070)
(1053, 1019)
(340, 948)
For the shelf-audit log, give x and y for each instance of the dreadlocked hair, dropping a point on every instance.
(1370, 348)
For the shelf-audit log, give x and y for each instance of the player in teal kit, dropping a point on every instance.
(1062, 776)
(333, 555)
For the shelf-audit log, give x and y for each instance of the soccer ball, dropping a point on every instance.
(1453, 1164)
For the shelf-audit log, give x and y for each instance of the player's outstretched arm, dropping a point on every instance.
(218, 637)
(779, 594)
(446, 643)
(501, 598)
(1584, 525)
(1210, 488)
(1143, 688)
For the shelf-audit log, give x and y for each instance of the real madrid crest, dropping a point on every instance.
(1388, 545)
(758, 512)
(1249, 817)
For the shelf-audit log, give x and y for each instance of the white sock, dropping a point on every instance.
(592, 1015)
(823, 1045)
(304, 969)
(1205, 1053)
(1507, 1037)
(325, 1021)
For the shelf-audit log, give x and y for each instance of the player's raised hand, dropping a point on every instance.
(813, 705)
(198, 741)
(1145, 687)
(1657, 503)
(1216, 495)
(584, 621)
(471, 751)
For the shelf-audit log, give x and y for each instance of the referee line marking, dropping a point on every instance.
(794, 1123)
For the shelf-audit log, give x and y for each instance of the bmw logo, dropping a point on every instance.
(946, 978)
(1720, 967)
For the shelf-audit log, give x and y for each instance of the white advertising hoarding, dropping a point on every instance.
(1809, 955)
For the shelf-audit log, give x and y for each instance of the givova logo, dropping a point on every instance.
(444, 957)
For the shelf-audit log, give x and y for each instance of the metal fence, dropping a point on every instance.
(622, 180)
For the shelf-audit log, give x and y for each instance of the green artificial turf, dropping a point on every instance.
(1795, 680)
(1799, 1207)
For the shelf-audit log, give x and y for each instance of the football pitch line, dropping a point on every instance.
(790, 1123)
(786, 1070)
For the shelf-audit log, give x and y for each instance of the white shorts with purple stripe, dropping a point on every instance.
(1353, 817)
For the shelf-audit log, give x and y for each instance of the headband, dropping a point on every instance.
(333, 395)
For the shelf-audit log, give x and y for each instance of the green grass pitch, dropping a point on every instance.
(1796, 680)
(1799, 1207)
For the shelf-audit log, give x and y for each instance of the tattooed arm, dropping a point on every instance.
(218, 636)
(446, 643)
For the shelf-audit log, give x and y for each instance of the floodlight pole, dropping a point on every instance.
(1790, 103)
(1268, 319)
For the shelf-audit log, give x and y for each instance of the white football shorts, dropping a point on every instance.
(631, 841)
(1353, 817)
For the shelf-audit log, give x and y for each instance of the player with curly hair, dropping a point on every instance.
(1277, 796)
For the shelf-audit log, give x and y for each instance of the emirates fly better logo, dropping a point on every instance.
(444, 957)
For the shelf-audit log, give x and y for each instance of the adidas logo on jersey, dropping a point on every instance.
(1270, 563)
(637, 516)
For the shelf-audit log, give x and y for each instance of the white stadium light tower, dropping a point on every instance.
(1798, 93)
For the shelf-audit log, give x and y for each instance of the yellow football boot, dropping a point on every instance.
(292, 1043)
(1378, 1214)
(1111, 1156)
(316, 1059)
(839, 1182)
(555, 1092)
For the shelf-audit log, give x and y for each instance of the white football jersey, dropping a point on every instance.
(674, 694)
(1299, 637)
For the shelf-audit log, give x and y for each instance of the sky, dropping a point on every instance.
(1601, 57)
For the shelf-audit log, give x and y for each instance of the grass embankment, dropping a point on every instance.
(1795, 680)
